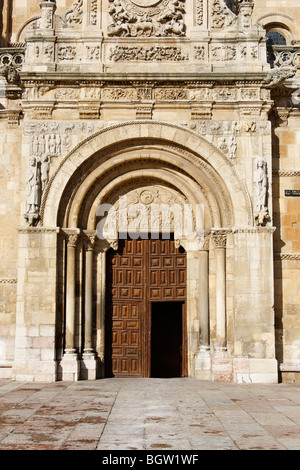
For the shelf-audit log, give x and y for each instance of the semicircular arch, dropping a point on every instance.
(182, 152)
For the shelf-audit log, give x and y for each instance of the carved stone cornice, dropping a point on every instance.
(29, 230)
(257, 229)
(8, 280)
(286, 173)
(140, 79)
(287, 256)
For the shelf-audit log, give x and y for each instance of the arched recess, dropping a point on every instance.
(281, 23)
(74, 190)
(121, 160)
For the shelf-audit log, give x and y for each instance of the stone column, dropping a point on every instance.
(88, 366)
(203, 299)
(71, 295)
(69, 363)
(219, 238)
(222, 365)
(203, 358)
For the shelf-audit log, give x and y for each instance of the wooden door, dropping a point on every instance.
(125, 304)
(140, 273)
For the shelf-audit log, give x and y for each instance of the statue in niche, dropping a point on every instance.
(33, 191)
(261, 191)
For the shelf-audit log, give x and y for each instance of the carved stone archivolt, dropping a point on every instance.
(146, 18)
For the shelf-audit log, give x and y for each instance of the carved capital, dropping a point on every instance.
(72, 240)
(90, 239)
(220, 238)
(72, 236)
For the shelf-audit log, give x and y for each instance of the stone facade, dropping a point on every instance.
(174, 101)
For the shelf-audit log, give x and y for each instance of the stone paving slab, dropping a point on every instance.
(148, 414)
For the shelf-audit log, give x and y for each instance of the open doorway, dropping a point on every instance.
(167, 344)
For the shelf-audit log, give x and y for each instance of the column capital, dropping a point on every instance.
(72, 240)
(90, 239)
(72, 236)
(206, 239)
(219, 237)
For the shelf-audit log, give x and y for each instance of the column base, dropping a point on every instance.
(203, 363)
(69, 368)
(222, 366)
(88, 366)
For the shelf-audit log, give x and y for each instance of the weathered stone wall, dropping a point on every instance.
(79, 80)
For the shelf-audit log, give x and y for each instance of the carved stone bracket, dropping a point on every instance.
(277, 77)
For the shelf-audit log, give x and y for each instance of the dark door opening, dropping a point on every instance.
(167, 348)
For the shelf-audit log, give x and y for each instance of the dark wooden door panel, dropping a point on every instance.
(139, 273)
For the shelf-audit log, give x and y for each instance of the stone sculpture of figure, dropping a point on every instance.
(33, 186)
(232, 146)
(45, 165)
(261, 185)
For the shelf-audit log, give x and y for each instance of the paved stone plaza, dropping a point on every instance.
(149, 414)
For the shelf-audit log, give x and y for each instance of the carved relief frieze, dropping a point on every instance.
(91, 93)
(250, 94)
(233, 127)
(45, 144)
(220, 52)
(119, 94)
(146, 18)
(171, 94)
(66, 52)
(58, 127)
(66, 94)
(201, 94)
(147, 54)
(225, 94)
